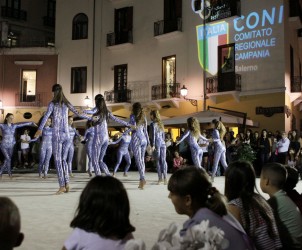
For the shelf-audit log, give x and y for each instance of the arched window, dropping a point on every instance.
(80, 27)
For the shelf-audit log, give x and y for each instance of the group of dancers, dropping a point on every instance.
(58, 135)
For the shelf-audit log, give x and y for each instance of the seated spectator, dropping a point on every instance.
(287, 214)
(299, 162)
(291, 161)
(102, 216)
(192, 194)
(10, 225)
(250, 208)
(178, 161)
(290, 184)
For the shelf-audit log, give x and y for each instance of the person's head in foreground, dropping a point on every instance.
(190, 189)
(292, 179)
(273, 177)
(10, 225)
(240, 181)
(104, 209)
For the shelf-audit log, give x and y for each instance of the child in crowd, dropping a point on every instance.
(287, 214)
(10, 224)
(102, 217)
(249, 208)
(192, 194)
(292, 161)
(178, 161)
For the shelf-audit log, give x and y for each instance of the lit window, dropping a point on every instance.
(28, 86)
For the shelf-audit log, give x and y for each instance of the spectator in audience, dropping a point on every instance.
(299, 162)
(282, 147)
(290, 185)
(274, 151)
(294, 141)
(178, 161)
(10, 225)
(248, 137)
(287, 214)
(25, 140)
(102, 216)
(264, 148)
(192, 194)
(291, 161)
(250, 208)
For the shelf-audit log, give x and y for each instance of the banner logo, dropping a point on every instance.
(209, 37)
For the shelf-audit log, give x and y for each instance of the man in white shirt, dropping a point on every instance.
(282, 147)
(25, 138)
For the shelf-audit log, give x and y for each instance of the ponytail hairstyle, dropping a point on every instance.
(59, 96)
(156, 118)
(138, 113)
(102, 112)
(195, 182)
(240, 182)
(7, 115)
(194, 127)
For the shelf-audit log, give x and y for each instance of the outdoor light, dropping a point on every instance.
(184, 92)
(87, 101)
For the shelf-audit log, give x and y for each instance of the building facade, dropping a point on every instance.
(28, 58)
(240, 55)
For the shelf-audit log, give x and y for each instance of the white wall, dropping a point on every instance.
(144, 58)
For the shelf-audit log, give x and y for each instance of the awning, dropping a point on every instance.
(208, 116)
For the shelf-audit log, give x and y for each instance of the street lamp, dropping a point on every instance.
(87, 101)
(184, 92)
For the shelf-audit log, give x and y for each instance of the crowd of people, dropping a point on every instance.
(243, 218)
(239, 219)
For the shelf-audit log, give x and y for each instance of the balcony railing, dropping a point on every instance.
(116, 39)
(163, 91)
(49, 21)
(7, 12)
(295, 84)
(38, 100)
(118, 96)
(167, 26)
(213, 85)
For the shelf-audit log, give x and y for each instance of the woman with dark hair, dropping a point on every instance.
(192, 194)
(158, 145)
(193, 134)
(219, 153)
(264, 148)
(250, 208)
(101, 115)
(102, 217)
(139, 140)
(58, 108)
(8, 129)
